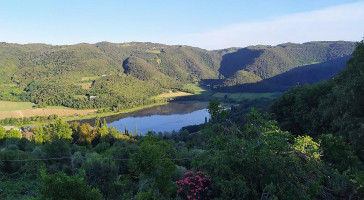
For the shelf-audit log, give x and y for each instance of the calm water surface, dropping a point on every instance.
(164, 118)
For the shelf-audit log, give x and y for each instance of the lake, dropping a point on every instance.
(164, 118)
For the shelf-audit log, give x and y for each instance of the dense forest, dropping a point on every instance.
(308, 146)
(68, 75)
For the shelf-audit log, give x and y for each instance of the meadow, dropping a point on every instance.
(25, 109)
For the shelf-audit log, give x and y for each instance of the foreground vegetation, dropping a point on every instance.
(103, 163)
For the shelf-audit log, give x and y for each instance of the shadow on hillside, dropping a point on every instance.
(238, 60)
(307, 74)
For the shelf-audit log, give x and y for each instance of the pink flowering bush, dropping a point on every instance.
(195, 186)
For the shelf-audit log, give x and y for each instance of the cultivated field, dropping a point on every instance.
(24, 109)
(195, 88)
(174, 94)
(10, 106)
(243, 96)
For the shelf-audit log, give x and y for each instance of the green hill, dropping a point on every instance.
(335, 106)
(269, 61)
(307, 74)
(40, 72)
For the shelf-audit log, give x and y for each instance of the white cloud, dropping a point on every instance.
(345, 22)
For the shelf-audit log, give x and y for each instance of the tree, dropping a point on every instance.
(259, 161)
(86, 134)
(154, 168)
(13, 133)
(60, 186)
(136, 131)
(75, 126)
(61, 130)
(126, 131)
(39, 135)
(217, 111)
(213, 108)
(2, 132)
(97, 125)
(101, 174)
(103, 131)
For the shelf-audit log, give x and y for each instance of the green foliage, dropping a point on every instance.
(2, 133)
(61, 186)
(101, 174)
(261, 161)
(268, 61)
(216, 110)
(329, 107)
(40, 135)
(127, 75)
(61, 131)
(307, 146)
(86, 135)
(154, 168)
(13, 133)
(337, 152)
(103, 130)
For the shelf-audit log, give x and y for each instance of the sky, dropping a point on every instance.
(208, 24)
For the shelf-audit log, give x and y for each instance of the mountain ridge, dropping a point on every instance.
(27, 68)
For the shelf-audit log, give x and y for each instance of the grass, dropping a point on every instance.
(11, 106)
(197, 89)
(85, 86)
(126, 45)
(220, 95)
(243, 96)
(89, 78)
(57, 107)
(153, 51)
(174, 94)
(8, 85)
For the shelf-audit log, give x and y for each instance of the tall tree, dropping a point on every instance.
(2, 132)
(13, 133)
(39, 135)
(61, 130)
(86, 135)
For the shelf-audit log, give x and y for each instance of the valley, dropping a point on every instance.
(111, 78)
(114, 119)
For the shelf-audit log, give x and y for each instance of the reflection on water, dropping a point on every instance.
(169, 117)
(161, 123)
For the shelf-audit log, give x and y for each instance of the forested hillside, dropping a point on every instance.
(335, 106)
(270, 61)
(303, 75)
(64, 75)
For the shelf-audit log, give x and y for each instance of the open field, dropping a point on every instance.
(174, 94)
(67, 114)
(153, 51)
(195, 88)
(85, 86)
(11, 106)
(243, 96)
(10, 109)
(89, 78)
(43, 112)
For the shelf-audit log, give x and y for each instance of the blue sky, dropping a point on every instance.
(207, 24)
